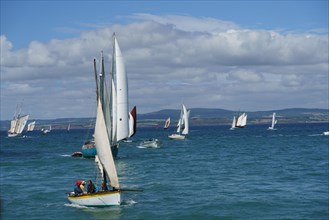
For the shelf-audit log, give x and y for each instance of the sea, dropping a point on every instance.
(216, 173)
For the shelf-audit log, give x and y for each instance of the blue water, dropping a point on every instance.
(217, 173)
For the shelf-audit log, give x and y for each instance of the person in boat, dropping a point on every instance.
(82, 186)
(104, 187)
(91, 187)
(77, 188)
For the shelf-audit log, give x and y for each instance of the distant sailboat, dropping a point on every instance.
(167, 123)
(17, 124)
(274, 121)
(183, 125)
(241, 122)
(233, 123)
(69, 127)
(31, 126)
(46, 131)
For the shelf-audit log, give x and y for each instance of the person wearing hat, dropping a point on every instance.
(77, 188)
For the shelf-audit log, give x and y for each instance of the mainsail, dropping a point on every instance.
(121, 93)
(17, 125)
(30, 126)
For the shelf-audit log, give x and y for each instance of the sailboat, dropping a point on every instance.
(31, 126)
(182, 126)
(167, 123)
(274, 121)
(69, 127)
(17, 124)
(241, 121)
(46, 131)
(114, 101)
(233, 123)
(106, 165)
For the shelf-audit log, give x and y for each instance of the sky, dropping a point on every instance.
(234, 55)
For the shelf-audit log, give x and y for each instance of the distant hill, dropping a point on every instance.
(199, 116)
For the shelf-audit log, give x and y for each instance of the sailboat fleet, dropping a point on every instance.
(114, 123)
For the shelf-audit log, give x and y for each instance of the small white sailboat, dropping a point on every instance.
(233, 123)
(274, 121)
(183, 125)
(150, 143)
(17, 124)
(69, 127)
(167, 123)
(46, 131)
(31, 126)
(326, 133)
(241, 121)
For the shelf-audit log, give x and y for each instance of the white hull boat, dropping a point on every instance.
(99, 199)
(176, 137)
(151, 143)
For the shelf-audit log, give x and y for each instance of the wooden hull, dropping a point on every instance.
(99, 199)
(177, 137)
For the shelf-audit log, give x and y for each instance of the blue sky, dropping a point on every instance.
(24, 21)
(236, 55)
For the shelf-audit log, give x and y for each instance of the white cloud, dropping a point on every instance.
(171, 59)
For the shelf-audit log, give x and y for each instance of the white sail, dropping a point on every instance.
(131, 125)
(114, 114)
(186, 116)
(244, 120)
(12, 126)
(132, 122)
(31, 126)
(122, 94)
(103, 147)
(233, 123)
(239, 121)
(180, 122)
(20, 124)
